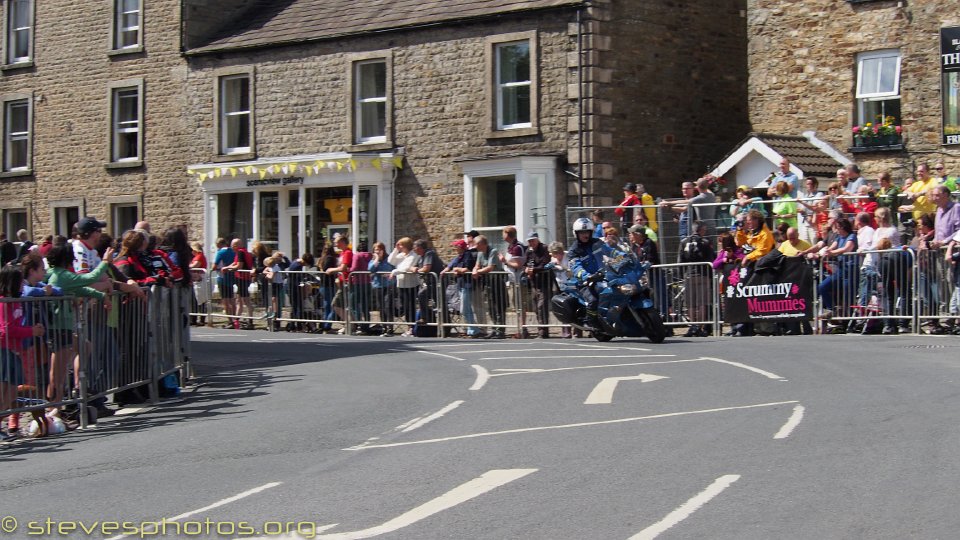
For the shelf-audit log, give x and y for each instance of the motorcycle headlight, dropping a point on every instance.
(628, 289)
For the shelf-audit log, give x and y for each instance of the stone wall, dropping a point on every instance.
(69, 81)
(439, 107)
(803, 72)
(675, 102)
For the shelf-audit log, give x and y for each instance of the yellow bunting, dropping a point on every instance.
(398, 162)
(191, 172)
(217, 173)
(376, 164)
(203, 176)
(248, 169)
(263, 173)
(339, 166)
(353, 164)
(233, 171)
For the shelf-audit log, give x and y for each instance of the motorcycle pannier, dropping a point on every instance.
(566, 308)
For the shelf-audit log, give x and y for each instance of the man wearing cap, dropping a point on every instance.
(538, 280)
(85, 255)
(461, 266)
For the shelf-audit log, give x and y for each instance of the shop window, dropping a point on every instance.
(878, 87)
(269, 210)
(18, 38)
(494, 201)
(235, 216)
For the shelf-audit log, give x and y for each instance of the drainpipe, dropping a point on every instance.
(580, 106)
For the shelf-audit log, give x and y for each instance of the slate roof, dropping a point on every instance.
(279, 22)
(807, 157)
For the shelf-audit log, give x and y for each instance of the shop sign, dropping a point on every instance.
(783, 294)
(275, 181)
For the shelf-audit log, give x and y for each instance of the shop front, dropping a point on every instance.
(296, 204)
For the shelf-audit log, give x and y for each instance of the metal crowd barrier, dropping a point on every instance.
(686, 294)
(86, 352)
(859, 290)
(238, 297)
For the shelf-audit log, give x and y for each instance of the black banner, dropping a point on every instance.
(950, 49)
(770, 295)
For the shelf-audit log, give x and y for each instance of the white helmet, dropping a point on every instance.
(582, 224)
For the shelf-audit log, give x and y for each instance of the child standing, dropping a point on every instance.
(12, 334)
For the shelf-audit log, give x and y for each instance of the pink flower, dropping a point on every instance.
(899, 130)
(795, 289)
(856, 130)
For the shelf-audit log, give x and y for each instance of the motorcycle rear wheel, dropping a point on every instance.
(601, 337)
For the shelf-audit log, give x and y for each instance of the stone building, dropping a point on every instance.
(829, 67)
(290, 121)
(91, 101)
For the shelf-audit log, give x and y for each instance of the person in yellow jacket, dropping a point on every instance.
(755, 238)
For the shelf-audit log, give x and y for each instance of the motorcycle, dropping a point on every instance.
(625, 307)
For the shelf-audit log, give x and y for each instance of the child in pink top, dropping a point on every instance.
(12, 334)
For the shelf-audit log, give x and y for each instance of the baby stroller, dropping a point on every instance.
(452, 313)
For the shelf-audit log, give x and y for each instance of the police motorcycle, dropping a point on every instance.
(624, 307)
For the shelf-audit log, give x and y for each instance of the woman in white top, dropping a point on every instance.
(403, 260)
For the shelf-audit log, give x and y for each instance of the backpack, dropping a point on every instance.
(692, 250)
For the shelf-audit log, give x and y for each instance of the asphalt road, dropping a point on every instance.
(351, 437)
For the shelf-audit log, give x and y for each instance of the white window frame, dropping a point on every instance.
(528, 172)
(118, 203)
(359, 102)
(10, 31)
(8, 228)
(59, 210)
(119, 29)
(862, 58)
(116, 129)
(9, 137)
(501, 85)
(223, 115)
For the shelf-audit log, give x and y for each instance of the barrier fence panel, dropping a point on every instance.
(686, 294)
(117, 346)
(936, 291)
(871, 290)
(237, 297)
(201, 296)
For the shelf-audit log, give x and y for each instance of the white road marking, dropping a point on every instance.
(545, 370)
(611, 347)
(566, 426)
(217, 504)
(687, 508)
(443, 355)
(405, 424)
(427, 419)
(488, 351)
(578, 357)
(791, 424)
(488, 481)
(766, 374)
(482, 377)
(602, 394)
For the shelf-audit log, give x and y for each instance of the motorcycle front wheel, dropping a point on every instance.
(601, 337)
(653, 324)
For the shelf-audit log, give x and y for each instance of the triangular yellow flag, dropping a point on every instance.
(376, 164)
(191, 172)
(353, 164)
(248, 169)
(233, 171)
(203, 176)
(339, 166)
(263, 173)
(398, 162)
(217, 173)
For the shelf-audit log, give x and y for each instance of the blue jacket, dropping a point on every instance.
(587, 258)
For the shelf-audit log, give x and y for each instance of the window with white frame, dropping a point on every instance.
(126, 27)
(15, 219)
(64, 218)
(123, 217)
(878, 87)
(19, 31)
(16, 135)
(235, 114)
(512, 191)
(513, 84)
(494, 201)
(126, 109)
(370, 112)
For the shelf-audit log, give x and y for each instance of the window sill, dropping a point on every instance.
(123, 52)
(866, 149)
(18, 65)
(371, 147)
(510, 133)
(226, 158)
(16, 174)
(124, 164)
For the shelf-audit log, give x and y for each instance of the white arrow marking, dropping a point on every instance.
(687, 508)
(461, 494)
(792, 423)
(603, 392)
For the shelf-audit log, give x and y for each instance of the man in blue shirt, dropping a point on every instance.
(225, 281)
(786, 175)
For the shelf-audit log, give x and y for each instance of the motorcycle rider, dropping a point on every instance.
(586, 262)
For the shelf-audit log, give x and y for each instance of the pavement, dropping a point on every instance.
(301, 436)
